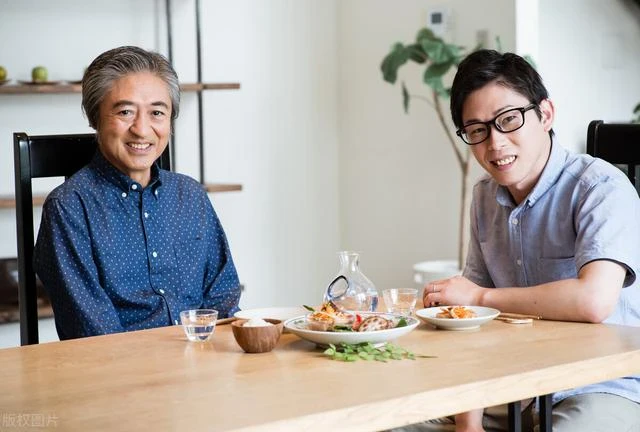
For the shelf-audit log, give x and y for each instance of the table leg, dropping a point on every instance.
(545, 413)
(515, 417)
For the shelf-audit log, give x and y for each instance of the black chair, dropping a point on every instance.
(38, 157)
(617, 143)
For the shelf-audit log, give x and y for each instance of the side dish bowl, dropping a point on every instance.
(483, 316)
(257, 339)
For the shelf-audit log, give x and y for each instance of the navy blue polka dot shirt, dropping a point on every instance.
(114, 256)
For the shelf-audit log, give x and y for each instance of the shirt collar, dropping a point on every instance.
(121, 180)
(550, 174)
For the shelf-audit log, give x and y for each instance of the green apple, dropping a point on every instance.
(3, 74)
(39, 74)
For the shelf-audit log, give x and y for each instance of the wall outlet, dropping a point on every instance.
(439, 21)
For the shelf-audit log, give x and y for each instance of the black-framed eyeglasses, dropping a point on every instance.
(505, 122)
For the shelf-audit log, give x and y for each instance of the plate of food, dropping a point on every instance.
(329, 325)
(457, 317)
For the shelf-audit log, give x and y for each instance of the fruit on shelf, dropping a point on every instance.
(39, 74)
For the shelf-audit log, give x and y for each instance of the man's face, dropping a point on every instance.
(135, 124)
(515, 159)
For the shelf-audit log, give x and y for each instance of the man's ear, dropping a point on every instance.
(547, 113)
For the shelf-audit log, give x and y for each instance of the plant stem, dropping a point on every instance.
(465, 166)
(452, 141)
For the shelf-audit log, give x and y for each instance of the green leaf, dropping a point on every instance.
(417, 54)
(426, 33)
(437, 71)
(435, 82)
(405, 98)
(366, 351)
(435, 50)
(391, 63)
(402, 322)
(309, 308)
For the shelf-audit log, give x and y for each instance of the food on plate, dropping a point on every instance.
(257, 322)
(320, 321)
(375, 322)
(330, 318)
(456, 312)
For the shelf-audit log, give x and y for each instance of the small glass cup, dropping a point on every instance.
(401, 301)
(199, 324)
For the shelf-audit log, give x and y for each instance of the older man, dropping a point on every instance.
(124, 245)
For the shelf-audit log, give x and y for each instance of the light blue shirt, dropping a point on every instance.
(582, 209)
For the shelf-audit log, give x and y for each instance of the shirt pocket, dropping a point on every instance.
(192, 250)
(554, 269)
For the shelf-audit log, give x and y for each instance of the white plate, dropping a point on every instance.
(298, 326)
(280, 313)
(484, 315)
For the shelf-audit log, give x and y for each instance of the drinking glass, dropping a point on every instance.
(199, 324)
(400, 301)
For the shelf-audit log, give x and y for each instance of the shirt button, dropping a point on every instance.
(519, 262)
(146, 214)
(156, 192)
(134, 186)
(124, 194)
(161, 291)
(155, 254)
(514, 221)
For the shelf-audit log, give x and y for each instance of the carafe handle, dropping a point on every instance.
(333, 282)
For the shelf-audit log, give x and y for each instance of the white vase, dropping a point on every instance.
(427, 271)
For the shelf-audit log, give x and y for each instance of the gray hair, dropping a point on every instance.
(114, 64)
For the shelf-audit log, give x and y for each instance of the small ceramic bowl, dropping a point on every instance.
(257, 339)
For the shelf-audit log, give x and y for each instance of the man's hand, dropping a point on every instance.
(457, 290)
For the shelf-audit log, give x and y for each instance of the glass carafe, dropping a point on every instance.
(351, 290)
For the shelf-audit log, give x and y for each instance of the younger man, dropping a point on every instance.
(553, 234)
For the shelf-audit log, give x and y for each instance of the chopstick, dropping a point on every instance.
(518, 316)
(225, 320)
(514, 320)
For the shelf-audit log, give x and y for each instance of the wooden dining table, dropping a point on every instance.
(157, 380)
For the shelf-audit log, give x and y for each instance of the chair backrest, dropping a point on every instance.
(38, 157)
(617, 143)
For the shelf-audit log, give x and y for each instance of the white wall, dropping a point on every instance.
(590, 67)
(398, 177)
(277, 135)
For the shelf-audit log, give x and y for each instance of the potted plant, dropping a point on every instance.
(438, 58)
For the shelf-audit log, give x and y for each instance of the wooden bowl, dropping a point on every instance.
(257, 339)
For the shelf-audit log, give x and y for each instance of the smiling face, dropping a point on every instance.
(135, 124)
(515, 159)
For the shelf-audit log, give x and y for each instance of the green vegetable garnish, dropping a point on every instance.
(366, 351)
(309, 308)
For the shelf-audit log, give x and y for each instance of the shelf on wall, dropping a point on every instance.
(8, 202)
(223, 187)
(77, 88)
